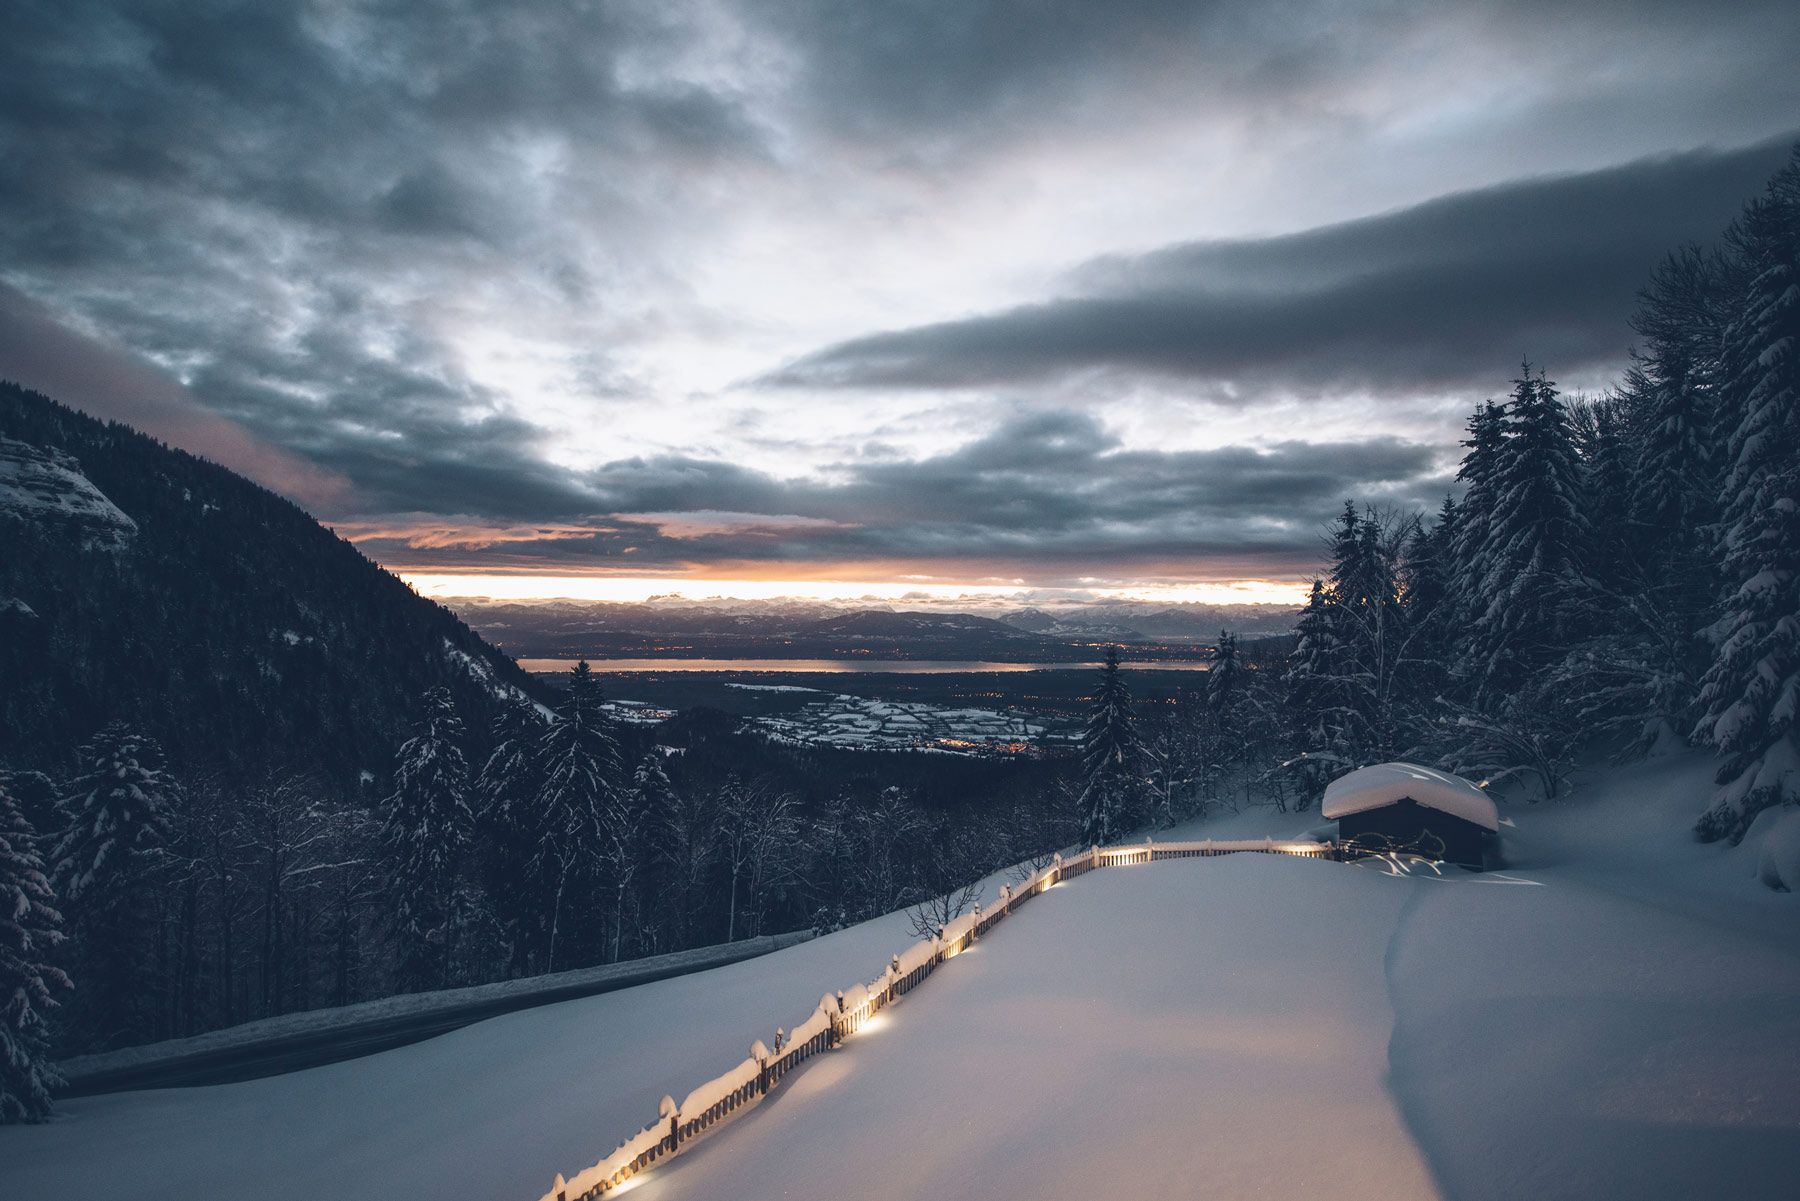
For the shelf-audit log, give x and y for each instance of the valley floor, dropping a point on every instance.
(1618, 1015)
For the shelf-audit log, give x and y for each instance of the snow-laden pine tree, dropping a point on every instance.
(757, 822)
(577, 766)
(1604, 454)
(1751, 694)
(1429, 564)
(1307, 678)
(1309, 706)
(624, 853)
(1353, 685)
(506, 783)
(660, 841)
(1651, 579)
(1109, 757)
(1528, 559)
(1470, 550)
(427, 829)
(1671, 398)
(1226, 675)
(502, 798)
(1371, 626)
(117, 814)
(1234, 722)
(30, 929)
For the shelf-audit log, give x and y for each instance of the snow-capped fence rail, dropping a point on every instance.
(841, 1015)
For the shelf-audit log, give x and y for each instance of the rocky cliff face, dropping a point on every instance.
(45, 487)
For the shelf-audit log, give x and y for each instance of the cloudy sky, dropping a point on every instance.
(920, 294)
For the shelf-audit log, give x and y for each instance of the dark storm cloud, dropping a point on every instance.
(352, 116)
(1447, 294)
(1045, 487)
(111, 382)
(947, 74)
(234, 189)
(284, 227)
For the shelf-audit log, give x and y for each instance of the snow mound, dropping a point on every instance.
(1387, 783)
(1777, 833)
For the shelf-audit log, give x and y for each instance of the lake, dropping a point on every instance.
(846, 666)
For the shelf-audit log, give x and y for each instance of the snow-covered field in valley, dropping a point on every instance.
(1616, 1015)
(863, 723)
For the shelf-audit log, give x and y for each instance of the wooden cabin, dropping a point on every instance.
(1413, 810)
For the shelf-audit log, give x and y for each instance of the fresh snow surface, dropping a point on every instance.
(1385, 783)
(490, 1112)
(349, 1022)
(1616, 1014)
(1155, 1031)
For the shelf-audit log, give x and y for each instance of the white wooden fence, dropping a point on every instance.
(843, 1014)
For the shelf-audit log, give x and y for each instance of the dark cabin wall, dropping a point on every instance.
(1406, 824)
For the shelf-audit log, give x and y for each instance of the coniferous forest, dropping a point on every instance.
(247, 772)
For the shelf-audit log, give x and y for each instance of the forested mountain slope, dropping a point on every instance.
(141, 583)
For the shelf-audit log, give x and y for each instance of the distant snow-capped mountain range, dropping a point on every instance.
(803, 628)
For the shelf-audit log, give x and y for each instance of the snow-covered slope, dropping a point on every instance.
(1147, 1032)
(487, 1113)
(1618, 1015)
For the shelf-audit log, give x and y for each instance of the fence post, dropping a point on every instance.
(561, 1186)
(760, 1053)
(667, 1109)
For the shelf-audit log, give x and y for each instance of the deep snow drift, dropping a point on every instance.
(1616, 1015)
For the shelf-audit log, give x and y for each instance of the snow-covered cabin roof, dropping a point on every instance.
(1387, 783)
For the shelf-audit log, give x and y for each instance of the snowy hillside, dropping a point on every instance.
(1617, 1015)
(230, 626)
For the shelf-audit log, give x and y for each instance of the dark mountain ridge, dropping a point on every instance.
(213, 614)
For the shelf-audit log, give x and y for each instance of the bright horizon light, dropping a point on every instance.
(637, 589)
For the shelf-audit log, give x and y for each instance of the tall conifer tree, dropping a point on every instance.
(1530, 551)
(118, 813)
(578, 771)
(1109, 756)
(1471, 550)
(30, 929)
(428, 829)
(1751, 693)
